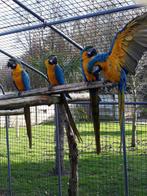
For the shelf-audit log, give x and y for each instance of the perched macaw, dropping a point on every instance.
(127, 48)
(86, 55)
(21, 81)
(56, 77)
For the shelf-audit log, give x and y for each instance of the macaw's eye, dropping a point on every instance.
(14, 65)
(92, 52)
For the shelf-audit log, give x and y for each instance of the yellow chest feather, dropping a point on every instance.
(17, 78)
(51, 75)
(89, 76)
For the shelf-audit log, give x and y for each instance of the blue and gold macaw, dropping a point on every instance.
(21, 81)
(86, 55)
(56, 77)
(128, 46)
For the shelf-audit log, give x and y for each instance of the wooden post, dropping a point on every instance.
(60, 125)
(73, 151)
(73, 158)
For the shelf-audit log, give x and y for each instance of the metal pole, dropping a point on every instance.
(8, 156)
(70, 19)
(121, 98)
(75, 18)
(2, 89)
(58, 150)
(25, 64)
(51, 26)
(8, 148)
(124, 155)
(97, 13)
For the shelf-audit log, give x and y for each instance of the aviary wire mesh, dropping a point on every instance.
(34, 171)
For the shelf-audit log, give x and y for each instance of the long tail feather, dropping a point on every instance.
(28, 124)
(121, 106)
(70, 118)
(94, 100)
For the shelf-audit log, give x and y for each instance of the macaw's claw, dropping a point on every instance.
(50, 87)
(19, 93)
(89, 83)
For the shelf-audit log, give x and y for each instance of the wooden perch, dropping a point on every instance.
(74, 87)
(11, 112)
(20, 102)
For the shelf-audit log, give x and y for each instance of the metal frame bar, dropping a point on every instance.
(109, 103)
(8, 157)
(8, 149)
(58, 149)
(27, 65)
(70, 19)
(125, 165)
(51, 26)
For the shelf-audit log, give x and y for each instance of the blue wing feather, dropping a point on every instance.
(59, 74)
(83, 74)
(26, 80)
(123, 81)
(98, 58)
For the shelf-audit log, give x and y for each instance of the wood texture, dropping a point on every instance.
(21, 102)
(74, 87)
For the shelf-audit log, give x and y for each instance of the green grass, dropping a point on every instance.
(100, 175)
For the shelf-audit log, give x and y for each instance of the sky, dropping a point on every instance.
(141, 1)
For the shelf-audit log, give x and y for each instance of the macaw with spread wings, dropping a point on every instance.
(127, 48)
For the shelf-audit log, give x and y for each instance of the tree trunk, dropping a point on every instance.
(134, 126)
(73, 158)
(134, 116)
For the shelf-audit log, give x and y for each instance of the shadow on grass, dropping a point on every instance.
(98, 175)
(36, 178)
(110, 133)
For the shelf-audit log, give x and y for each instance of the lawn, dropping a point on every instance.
(100, 175)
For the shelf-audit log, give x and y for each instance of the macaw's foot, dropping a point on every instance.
(111, 87)
(68, 96)
(50, 86)
(19, 93)
(89, 83)
(106, 82)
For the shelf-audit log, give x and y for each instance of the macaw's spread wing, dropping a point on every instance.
(130, 43)
(59, 74)
(26, 80)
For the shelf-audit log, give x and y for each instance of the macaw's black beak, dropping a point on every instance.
(52, 59)
(91, 52)
(8, 64)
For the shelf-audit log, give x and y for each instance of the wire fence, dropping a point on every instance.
(35, 171)
(31, 31)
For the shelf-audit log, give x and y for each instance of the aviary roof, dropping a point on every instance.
(14, 17)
